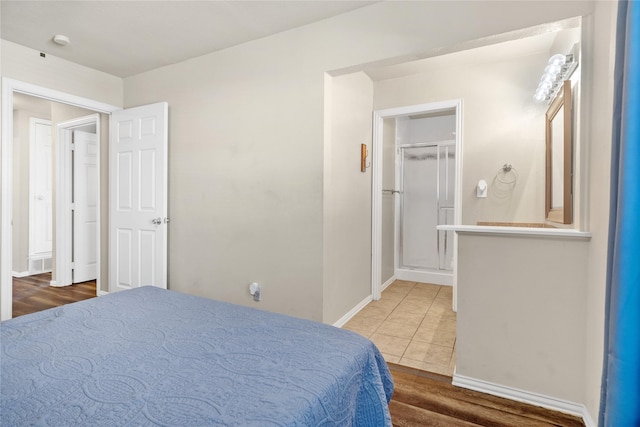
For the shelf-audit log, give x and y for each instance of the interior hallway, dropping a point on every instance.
(412, 325)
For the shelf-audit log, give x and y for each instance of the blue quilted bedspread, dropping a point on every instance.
(155, 357)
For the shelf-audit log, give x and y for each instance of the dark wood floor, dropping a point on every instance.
(425, 399)
(420, 398)
(33, 293)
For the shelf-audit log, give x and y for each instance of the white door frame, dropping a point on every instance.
(376, 197)
(64, 196)
(9, 86)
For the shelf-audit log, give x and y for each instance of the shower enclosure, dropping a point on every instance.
(416, 188)
(423, 179)
(426, 199)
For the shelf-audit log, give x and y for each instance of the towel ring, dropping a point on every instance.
(507, 174)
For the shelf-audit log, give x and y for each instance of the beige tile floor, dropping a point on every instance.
(412, 325)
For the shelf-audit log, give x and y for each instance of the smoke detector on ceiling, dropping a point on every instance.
(61, 40)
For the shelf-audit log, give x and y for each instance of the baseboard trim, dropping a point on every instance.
(434, 277)
(387, 283)
(523, 396)
(101, 293)
(586, 417)
(19, 274)
(344, 319)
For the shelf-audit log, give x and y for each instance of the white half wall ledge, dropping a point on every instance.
(523, 396)
(516, 231)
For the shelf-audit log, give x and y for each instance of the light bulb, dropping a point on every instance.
(540, 97)
(544, 85)
(558, 59)
(552, 69)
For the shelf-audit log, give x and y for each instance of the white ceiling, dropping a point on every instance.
(484, 54)
(494, 52)
(125, 38)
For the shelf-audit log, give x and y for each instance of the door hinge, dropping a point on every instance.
(73, 265)
(73, 206)
(73, 146)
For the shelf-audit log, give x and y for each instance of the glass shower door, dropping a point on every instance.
(427, 176)
(419, 217)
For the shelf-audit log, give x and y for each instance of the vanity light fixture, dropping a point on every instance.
(558, 69)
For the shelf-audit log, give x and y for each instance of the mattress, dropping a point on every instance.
(150, 356)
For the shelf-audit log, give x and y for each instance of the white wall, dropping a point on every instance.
(26, 65)
(347, 195)
(501, 124)
(521, 313)
(21, 186)
(246, 200)
(245, 175)
(20, 223)
(436, 128)
(598, 130)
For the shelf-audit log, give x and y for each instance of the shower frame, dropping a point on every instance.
(404, 271)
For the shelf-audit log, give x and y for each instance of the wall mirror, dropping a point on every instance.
(559, 158)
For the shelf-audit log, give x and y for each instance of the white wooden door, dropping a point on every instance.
(41, 177)
(85, 206)
(138, 197)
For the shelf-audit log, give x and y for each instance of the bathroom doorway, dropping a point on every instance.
(416, 188)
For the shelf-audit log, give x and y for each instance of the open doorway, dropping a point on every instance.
(35, 167)
(416, 187)
(55, 152)
(63, 107)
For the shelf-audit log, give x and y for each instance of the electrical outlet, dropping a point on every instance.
(254, 289)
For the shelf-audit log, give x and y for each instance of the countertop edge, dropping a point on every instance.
(516, 231)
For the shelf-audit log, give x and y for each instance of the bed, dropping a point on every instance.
(150, 356)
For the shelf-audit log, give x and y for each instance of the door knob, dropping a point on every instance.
(156, 221)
